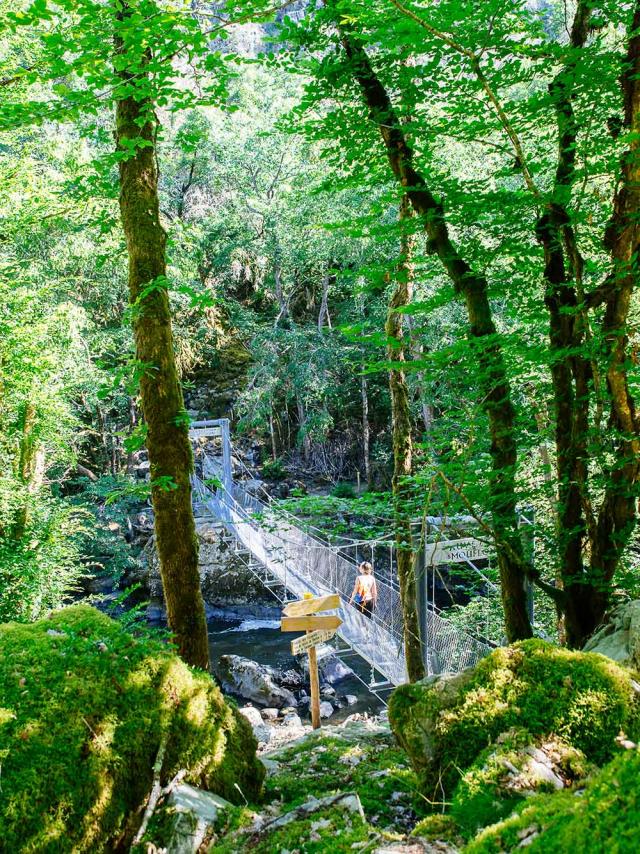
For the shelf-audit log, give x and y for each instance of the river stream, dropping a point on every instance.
(262, 641)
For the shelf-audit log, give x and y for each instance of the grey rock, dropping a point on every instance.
(269, 714)
(619, 638)
(252, 715)
(270, 764)
(291, 719)
(191, 813)
(263, 733)
(326, 709)
(254, 682)
(350, 699)
(333, 670)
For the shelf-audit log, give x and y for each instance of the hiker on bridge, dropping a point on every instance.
(365, 591)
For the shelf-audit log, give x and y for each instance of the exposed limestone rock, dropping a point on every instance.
(513, 769)
(326, 709)
(619, 638)
(191, 812)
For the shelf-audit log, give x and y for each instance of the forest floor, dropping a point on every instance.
(344, 788)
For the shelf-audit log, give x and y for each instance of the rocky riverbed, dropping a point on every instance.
(252, 660)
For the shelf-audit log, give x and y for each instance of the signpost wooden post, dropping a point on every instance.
(298, 616)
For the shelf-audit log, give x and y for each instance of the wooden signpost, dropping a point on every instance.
(298, 616)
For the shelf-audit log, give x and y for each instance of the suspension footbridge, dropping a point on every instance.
(291, 561)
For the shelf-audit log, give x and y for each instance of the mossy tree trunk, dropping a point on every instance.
(473, 288)
(30, 465)
(168, 444)
(617, 515)
(403, 449)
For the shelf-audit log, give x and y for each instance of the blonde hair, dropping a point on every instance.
(365, 566)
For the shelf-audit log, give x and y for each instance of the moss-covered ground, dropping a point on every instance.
(584, 699)
(353, 760)
(84, 707)
(604, 818)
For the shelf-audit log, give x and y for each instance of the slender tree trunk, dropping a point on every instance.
(403, 450)
(31, 466)
(302, 420)
(168, 444)
(366, 431)
(323, 314)
(426, 408)
(283, 308)
(272, 434)
(472, 287)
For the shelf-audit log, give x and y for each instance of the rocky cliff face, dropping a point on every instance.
(227, 585)
(216, 386)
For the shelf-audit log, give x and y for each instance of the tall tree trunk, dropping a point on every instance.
(283, 306)
(302, 433)
(403, 449)
(272, 434)
(323, 314)
(366, 430)
(426, 408)
(571, 373)
(618, 514)
(170, 455)
(472, 287)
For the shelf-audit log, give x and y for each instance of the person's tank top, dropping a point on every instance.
(365, 586)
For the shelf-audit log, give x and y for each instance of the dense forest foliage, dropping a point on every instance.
(468, 170)
(396, 245)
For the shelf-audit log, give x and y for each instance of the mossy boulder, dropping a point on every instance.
(602, 819)
(84, 707)
(583, 699)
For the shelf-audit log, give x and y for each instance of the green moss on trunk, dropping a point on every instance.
(168, 444)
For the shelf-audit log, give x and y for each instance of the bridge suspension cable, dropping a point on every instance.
(304, 563)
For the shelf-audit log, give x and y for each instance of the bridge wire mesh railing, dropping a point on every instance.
(303, 563)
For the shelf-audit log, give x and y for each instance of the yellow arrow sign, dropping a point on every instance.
(305, 642)
(312, 606)
(307, 624)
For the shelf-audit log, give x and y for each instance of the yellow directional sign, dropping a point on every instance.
(302, 616)
(305, 642)
(312, 606)
(308, 624)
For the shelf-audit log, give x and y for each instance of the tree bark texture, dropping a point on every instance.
(571, 373)
(618, 512)
(473, 288)
(366, 430)
(168, 444)
(403, 450)
(586, 589)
